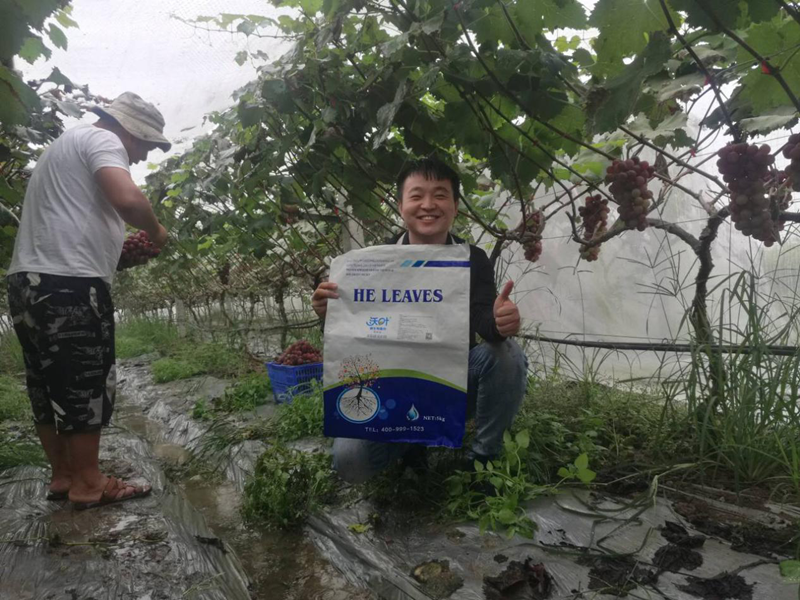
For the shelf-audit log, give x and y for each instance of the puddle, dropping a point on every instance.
(281, 565)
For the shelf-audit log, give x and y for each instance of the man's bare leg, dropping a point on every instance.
(55, 447)
(88, 483)
(87, 480)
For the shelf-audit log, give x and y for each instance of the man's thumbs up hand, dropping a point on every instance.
(506, 313)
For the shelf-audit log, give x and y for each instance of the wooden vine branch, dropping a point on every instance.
(735, 131)
(618, 228)
(773, 70)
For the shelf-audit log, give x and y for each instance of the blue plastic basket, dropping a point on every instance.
(289, 381)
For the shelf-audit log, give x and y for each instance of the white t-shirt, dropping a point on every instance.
(68, 227)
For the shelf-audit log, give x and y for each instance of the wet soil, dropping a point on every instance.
(519, 581)
(744, 535)
(437, 580)
(722, 587)
(281, 565)
(677, 558)
(617, 576)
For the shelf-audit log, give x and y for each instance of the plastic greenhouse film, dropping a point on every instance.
(397, 344)
(157, 547)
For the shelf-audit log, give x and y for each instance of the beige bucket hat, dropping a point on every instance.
(138, 117)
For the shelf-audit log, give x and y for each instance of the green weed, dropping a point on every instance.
(248, 393)
(300, 418)
(14, 403)
(11, 360)
(743, 405)
(143, 336)
(493, 495)
(215, 359)
(171, 369)
(128, 347)
(20, 453)
(286, 486)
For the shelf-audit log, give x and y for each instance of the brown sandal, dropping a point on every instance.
(115, 492)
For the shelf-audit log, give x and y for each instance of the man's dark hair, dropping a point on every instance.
(432, 169)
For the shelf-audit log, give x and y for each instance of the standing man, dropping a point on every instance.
(429, 191)
(70, 238)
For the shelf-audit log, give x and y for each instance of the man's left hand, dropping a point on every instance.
(506, 313)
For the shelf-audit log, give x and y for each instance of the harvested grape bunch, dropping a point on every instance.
(746, 170)
(530, 235)
(627, 181)
(299, 353)
(137, 250)
(595, 223)
(792, 151)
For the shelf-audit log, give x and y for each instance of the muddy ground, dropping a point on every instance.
(188, 541)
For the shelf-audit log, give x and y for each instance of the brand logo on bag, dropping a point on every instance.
(377, 327)
(378, 322)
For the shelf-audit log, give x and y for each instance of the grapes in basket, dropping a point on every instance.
(299, 353)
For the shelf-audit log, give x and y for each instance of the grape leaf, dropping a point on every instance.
(611, 104)
(761, 89)
(624, 28)
(57, 77)
(17, 100)
(731, 13)
(33, 48)
(533, 17)
(57, 36)
(782, 117)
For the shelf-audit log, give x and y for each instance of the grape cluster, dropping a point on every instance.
(136, 250)
(745, 168)
(595, 224)
(299, 353)
(792, 151)
(530, 235)
(627, 181)
(224, 273)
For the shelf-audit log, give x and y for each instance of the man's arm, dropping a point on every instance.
(482, 297)
(129, 201)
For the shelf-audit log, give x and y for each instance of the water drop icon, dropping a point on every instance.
(412, 414)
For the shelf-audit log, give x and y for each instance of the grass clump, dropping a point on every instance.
(611, 425)
(248, 393)
(11, 360)
(19, 445)
(302, 417)
(143, 336)
(172, 369)
(13, 399)
(287, 486)
(20, 452)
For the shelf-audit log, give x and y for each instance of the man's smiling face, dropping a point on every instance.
(428, 208)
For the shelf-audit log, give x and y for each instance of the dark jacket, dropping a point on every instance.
(482, 292)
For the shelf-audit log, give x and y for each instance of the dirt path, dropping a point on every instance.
(186, 541)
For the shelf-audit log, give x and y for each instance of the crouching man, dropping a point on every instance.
(429, 191)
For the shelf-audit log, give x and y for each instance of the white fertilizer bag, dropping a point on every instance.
(397, 345)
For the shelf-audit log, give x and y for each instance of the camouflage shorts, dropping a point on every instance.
(66, 328)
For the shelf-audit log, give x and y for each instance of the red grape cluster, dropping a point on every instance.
(137, 250)
(595, 224)
(792, 151)
(299, 353)
(627, 181)
(745, 168)
(530, 235)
